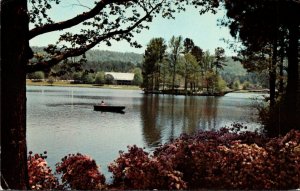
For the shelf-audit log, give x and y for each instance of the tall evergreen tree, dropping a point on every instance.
(220, 58)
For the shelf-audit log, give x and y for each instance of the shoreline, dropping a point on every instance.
(124, 87)
(68, 84)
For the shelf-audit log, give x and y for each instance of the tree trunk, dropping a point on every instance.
(174, 74)
(281, 86)
(281, 83)
(293, 85)
(272, 74)
(13, 99)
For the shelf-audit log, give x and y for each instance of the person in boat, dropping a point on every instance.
(102, 103)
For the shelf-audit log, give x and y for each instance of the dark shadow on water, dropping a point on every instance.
(117, 112)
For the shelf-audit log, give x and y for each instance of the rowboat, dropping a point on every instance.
(109, 108)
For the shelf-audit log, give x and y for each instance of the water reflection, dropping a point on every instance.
(149, 113)
(166, 117)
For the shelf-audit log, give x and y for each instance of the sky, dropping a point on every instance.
(202, 29)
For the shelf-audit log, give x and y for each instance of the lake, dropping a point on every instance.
(61, 120)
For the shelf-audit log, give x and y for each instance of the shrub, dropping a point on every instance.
(40, 175)
(246, 85)
(236, 85)
(80, 172)
(225, 159)
(100, 78)
(231, 160)
(37, 76)
(137, 170)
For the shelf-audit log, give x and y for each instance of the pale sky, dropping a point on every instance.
(202, 29)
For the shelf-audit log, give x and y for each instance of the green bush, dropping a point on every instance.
(246, 85)
(87, 78)
(36, 76)
(100, 78)
(236, 85)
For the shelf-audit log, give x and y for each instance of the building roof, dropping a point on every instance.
(121, 76)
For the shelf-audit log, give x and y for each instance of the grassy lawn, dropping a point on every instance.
(68, 84)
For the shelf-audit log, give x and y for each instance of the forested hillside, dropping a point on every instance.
(102, 60)
(234, 71)
(105, 56)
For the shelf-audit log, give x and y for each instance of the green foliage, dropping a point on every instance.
(98, 60)
(100, 78)
(51, 80)
(209, 81)
(39, 75)
(154, 55)
(176, 48)
(87, 78)
(103, 56)
(246, 85)
(221, 84)
(77, 76)
(219, 60)
(138, 78)
(236, 85)
(109, 79)
(275, 120)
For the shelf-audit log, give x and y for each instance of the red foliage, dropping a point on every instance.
(224, 159)
(40, 175)
(136, 170)
(80, 172)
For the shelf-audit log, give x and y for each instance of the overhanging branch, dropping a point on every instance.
(71, 22)
(40, 66)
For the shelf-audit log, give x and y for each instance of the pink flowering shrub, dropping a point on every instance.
(39, 173)
(137, 170)
(224, 159)
(80, 172)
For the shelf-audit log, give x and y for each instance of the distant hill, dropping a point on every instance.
(106, 56)
(234, 68)
(101, 56)
(235, 71)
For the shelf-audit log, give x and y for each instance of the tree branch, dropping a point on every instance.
(40, 66)
(71, 22)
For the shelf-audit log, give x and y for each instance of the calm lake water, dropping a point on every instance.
(61, 120)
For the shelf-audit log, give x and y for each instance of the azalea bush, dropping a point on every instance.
(229, 158)
(137, 170)
(80, 172)
(40, 174)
